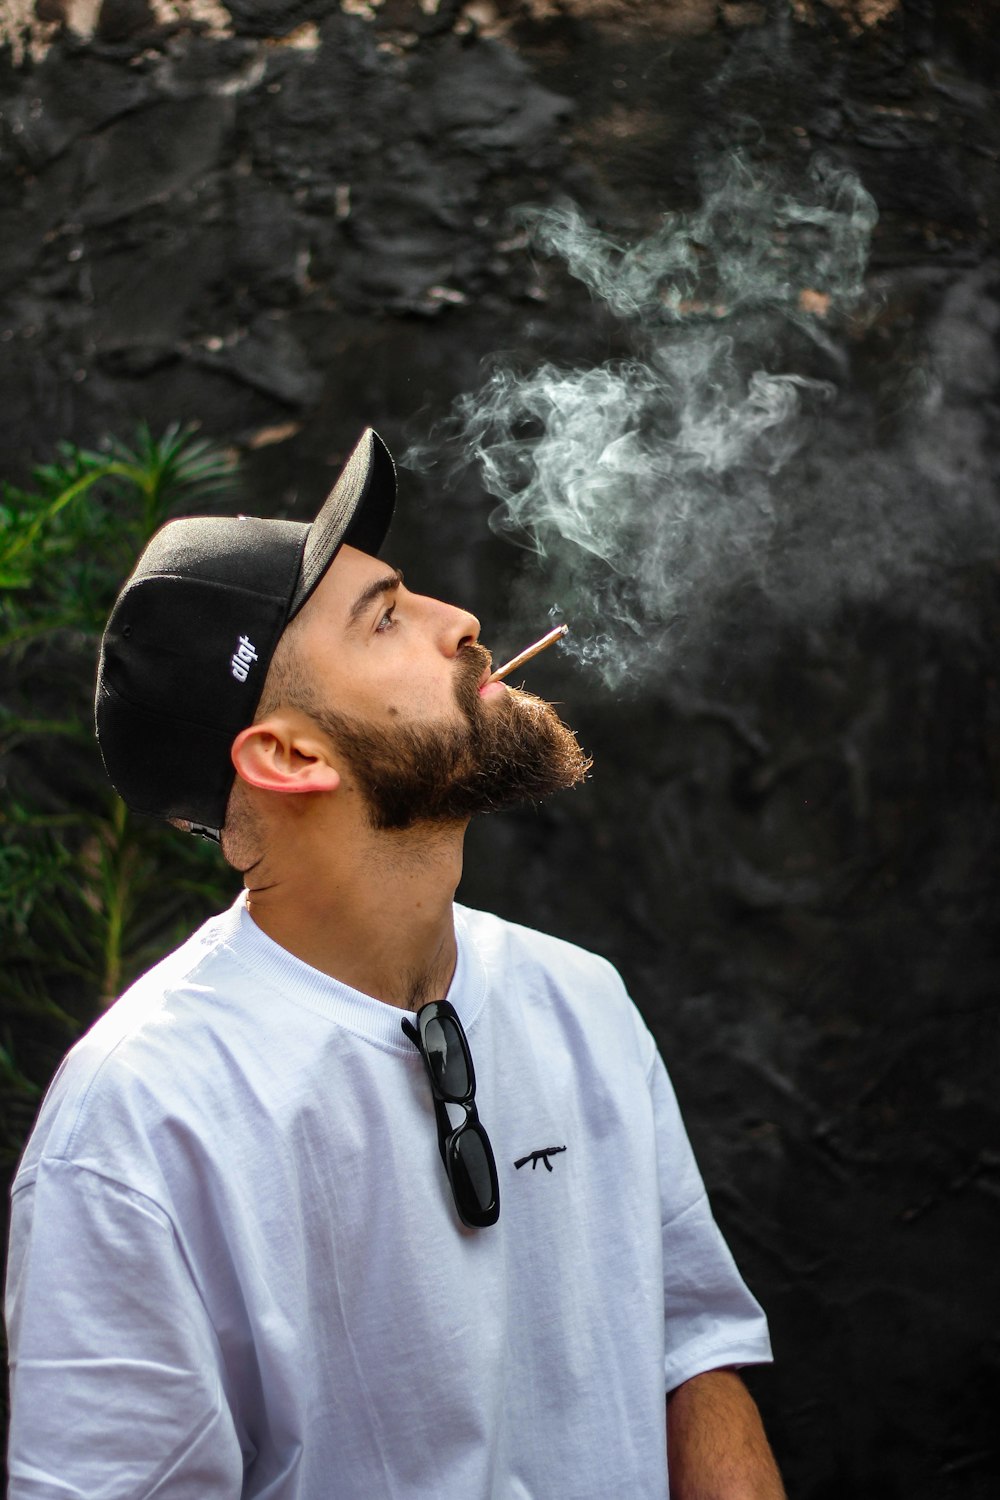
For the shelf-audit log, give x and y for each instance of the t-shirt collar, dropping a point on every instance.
(296, 981)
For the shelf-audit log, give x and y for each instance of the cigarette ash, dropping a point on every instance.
(730, 460)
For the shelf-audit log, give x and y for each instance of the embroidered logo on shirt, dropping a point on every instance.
(539, 1156)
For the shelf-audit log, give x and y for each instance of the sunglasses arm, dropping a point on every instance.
(411, 1031)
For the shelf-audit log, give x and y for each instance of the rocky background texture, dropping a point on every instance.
(287, 218)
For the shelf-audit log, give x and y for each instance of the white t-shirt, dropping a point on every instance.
(236, 1267)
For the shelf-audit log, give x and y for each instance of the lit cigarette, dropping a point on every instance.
(529, 652)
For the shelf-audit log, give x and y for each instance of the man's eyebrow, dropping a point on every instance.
(373, 590)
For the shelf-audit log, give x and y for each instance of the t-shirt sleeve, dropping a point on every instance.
(116, 1377)
(711, 1317)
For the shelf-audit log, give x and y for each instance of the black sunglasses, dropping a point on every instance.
(465, 1148)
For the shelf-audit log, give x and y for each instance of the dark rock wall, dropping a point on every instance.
(288, 219)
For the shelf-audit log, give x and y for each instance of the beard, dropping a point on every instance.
(513, 750)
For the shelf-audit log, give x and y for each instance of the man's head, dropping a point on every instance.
(191, 636)
(255, 647)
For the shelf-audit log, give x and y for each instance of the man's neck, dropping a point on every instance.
(375, 913)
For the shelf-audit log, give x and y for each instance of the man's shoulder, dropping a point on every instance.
(194, 970)
(570, 997)
(142, 1045)
(501, 942)
(487, 925)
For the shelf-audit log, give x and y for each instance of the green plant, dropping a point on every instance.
(90, 895)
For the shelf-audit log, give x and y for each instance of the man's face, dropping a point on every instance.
(399, 682)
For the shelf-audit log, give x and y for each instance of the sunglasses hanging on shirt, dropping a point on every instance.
(465, 1148)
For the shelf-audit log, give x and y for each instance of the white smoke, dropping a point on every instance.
(719, 457)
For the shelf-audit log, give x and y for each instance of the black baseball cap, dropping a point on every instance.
(189, 641)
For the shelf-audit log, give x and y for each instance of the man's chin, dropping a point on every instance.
(522, 752)
(511, 749)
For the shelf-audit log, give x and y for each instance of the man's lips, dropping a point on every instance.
(475, 666)
(486, 687)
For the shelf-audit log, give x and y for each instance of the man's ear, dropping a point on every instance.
(282, 755)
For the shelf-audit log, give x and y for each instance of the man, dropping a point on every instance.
(275, 1233)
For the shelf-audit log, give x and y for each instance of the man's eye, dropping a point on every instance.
(386, 622)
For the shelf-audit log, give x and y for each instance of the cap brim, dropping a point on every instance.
(357, 510)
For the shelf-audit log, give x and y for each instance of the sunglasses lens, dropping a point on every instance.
(447, 1057)
(473, 1176)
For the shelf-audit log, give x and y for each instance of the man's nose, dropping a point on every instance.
(464, 629)
(454, 627)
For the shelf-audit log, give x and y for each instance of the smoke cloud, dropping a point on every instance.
(730, 456)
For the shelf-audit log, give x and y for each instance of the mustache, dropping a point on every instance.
(473, 660)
